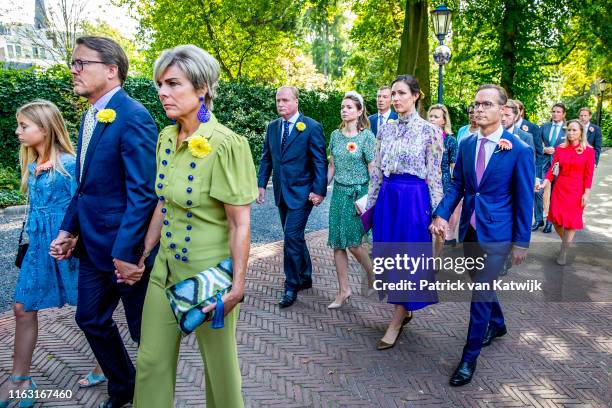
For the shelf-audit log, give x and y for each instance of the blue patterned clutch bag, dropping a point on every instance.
(190, 296)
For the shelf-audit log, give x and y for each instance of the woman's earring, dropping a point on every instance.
(203, 112)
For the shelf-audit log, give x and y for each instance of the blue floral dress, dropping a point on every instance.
(448, 157)
(44, 282)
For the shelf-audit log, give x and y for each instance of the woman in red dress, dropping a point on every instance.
(575, 161)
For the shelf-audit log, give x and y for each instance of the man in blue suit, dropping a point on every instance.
(111, 209)
(593, 131)
(294, 152)
(383, 104)
(494, 175)
(552, 134)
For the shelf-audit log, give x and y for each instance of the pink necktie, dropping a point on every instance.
(480, 168)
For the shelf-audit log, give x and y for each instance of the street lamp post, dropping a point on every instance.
(601, 87)
(440, 19)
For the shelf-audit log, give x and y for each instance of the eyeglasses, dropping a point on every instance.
(485, 105)
(79, 64)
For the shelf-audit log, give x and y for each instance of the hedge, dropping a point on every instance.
(244, 108)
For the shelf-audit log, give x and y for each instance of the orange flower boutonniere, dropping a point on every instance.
(503, 144)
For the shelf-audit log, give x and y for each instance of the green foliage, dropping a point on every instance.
(20, 87)
(376, 34)
(9, 187)
(245, 36)
(245, 108)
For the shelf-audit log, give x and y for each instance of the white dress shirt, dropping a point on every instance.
(490, 146)
(292, 121)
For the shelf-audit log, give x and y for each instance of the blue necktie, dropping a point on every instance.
(285, 134)
(555, 133)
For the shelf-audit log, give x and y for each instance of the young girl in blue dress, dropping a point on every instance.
(48, 177)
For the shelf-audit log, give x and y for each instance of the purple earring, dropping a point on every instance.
(203, 112)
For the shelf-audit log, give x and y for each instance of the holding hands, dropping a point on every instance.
(438, 227)
(127, 272)
(315, 199)
(61, 247)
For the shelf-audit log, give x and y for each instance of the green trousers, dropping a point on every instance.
(158, 355)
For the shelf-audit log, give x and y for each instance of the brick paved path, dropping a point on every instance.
(556, 354)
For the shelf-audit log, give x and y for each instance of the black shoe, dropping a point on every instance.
(305, 285)
(536, 225)
(463, 374)
(548, 228)
(450, 242)
(114, 402)
(493, 332)
(288, 299)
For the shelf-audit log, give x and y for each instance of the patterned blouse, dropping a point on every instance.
(411, 145)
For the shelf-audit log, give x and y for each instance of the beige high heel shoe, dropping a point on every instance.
(338, 305)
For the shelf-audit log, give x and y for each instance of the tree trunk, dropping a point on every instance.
(507, 38)
(414, 51)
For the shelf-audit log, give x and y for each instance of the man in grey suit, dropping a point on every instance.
(552, 134)
(593, 131)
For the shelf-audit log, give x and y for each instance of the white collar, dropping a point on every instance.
(511, 129)
(294, 118)
(557, 123)
(519, 122)
(385, 115)
(493, 137)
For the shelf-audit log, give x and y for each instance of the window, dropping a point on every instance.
(41, 51)
(11, 51)
(18, 51)
(35, 52)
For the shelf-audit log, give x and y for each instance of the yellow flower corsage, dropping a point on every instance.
(199, 146)
(106, 115)
(391, 121)
(300, 126)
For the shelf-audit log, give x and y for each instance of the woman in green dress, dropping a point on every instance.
(205, 183)
(352, 149)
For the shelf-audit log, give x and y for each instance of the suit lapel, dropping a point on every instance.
(471, 160)
(560, 136)
(293, 134)
(494, 160)
(277, 134)
(79, 144)
(99, 130)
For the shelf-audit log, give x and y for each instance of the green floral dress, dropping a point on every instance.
(351, 156)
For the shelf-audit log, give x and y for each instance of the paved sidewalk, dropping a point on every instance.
(556, 353)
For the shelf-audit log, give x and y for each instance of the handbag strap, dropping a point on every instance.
(25, 219)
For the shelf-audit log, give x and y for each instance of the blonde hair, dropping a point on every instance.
(362, 121)
(447, 122)
(583, 136)
(50, 121)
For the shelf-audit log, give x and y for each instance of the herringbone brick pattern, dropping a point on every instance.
(555, 355)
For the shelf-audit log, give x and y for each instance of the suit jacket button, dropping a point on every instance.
(478, 194)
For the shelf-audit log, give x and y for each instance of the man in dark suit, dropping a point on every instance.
(534, 129)
(491, 228)
(508, 121)
(593, 131)
(385, 114)
(109, 214)
(294, 152)
(552, 134)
